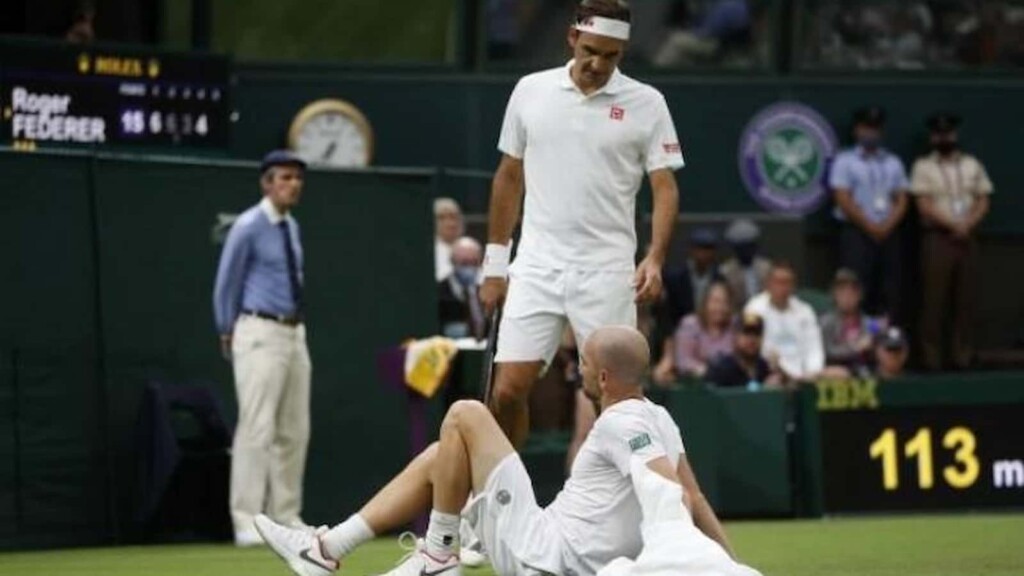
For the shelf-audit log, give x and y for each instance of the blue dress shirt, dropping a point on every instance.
(253, 271)
(872, 179)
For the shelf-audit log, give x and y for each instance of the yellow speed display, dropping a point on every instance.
(923, 457)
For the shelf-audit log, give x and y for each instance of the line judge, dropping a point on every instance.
(258, 306)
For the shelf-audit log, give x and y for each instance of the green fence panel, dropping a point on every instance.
(754, 472)
(54, 480)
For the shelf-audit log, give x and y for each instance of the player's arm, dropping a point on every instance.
(665, 193)
(506, 200)
(662, 467)
(703, 515)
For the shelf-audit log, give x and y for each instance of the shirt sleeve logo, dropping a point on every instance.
(638, 442)
(672, 148)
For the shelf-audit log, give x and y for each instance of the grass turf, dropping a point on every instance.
(974, 545)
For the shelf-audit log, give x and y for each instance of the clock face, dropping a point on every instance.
(332, 133)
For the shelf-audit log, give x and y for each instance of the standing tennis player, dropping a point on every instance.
(577, 140)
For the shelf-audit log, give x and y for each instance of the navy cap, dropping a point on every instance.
(943, 122)
(893, 338)
(281, 158)
(873, 116)
(704, 237)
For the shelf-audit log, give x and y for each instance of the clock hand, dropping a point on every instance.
(329, 152)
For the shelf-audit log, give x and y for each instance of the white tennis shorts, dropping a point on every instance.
(541, 300)
(519, 537)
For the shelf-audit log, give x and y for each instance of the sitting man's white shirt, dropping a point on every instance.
(673, 545)
(792, 334)
(597, 512)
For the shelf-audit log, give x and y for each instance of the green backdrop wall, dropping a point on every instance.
(452, 120)
(111, 272)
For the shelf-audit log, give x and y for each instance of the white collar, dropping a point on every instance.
(273, 215)
(612, 87)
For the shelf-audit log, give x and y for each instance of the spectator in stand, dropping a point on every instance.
(460, 311)
(683, 288)
(746, 271)
(952, 190)
(82, 28)
(703, 35)
(705, 334)
(745, 366)
(870, 186)
(891, 352)
(848, 333)
(792, 338)
(448, 227)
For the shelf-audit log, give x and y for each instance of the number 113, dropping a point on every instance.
(959, 439)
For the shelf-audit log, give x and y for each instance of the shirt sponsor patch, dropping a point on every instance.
(638, 442)
(617, 113)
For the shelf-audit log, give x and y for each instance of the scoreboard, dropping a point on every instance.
(72, 95)
(901, 446)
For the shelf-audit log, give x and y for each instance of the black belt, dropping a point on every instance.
(279, 318)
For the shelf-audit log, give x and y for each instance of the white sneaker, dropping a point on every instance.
(248, 538)
(471, 558)
(419, 563)
(300, 548)
(471, 550)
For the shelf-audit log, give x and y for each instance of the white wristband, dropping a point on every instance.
(496, 259)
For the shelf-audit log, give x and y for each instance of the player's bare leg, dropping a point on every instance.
(510, 401)
(471, 445)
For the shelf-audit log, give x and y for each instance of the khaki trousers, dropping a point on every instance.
(272, 374)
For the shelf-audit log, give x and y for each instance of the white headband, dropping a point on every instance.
(604, 27)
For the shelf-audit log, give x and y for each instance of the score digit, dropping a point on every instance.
(963, 440)
(960, 476)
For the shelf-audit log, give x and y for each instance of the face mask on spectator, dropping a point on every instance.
(745, 252)
(466, 275)
(945, 146)
(870, 142)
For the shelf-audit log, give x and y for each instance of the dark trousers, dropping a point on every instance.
(879, 265)
(948, 270)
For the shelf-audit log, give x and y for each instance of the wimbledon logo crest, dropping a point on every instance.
(785, 154)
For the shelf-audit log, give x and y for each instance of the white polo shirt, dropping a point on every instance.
(793, 334)
(584, 159)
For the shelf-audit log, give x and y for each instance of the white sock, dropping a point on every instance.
(443, 535)
(341, 540)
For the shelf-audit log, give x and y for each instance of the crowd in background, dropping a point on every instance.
(860, 34)
(916, 34)
(667, 33)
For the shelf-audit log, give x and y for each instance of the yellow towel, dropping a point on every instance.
(427, 362)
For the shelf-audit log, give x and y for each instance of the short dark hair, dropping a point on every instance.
(614, 9)
(784, 265)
